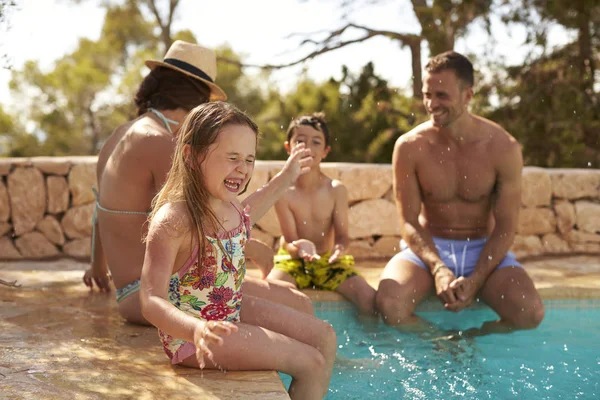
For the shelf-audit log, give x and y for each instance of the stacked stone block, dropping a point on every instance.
(46, 205)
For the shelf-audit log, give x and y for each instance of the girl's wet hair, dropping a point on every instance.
(315, 120)
(185, 181)
(166, 89)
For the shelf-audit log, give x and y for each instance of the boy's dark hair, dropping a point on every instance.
(167, 89)
(451, 60)
(315, 120)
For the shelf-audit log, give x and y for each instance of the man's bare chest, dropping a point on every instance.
(465, 176)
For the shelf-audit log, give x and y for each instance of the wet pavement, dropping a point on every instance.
(59, 341)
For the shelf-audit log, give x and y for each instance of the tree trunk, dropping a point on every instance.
(417, 69)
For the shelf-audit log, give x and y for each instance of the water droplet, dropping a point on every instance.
(502, 297)
(522, 309)
(322, 233)
(489, 257)
(304, 222)
(589, 164)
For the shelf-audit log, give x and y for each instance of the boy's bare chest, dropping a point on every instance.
(312, 207)
(466, 175)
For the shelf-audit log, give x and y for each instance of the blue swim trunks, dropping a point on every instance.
(460, 256)
(128, 290)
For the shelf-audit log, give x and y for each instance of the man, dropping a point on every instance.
(457, 181)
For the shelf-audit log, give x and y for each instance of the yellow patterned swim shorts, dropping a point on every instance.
(318, 274)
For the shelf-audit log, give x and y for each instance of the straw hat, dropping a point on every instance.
(195, 61)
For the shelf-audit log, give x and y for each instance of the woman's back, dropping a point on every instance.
(132, 167)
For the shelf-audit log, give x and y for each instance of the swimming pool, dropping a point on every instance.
(558, 360)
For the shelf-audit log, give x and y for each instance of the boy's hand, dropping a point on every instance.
(261, 254)
(210, 332)
(338, 251)
(298, 163)
(306, 250)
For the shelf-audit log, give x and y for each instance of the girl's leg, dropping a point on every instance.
(357, 290)
(278, 293)
(273, 336)
(278, 275)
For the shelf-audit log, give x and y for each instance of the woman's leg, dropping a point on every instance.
(278, 293)
(273, 336)
(130, 308)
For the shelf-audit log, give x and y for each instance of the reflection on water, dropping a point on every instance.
(561, 359)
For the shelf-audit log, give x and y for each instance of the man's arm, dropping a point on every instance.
(505, 208)
(408, 202)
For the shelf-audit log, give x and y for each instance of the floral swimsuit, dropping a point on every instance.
(211, 288)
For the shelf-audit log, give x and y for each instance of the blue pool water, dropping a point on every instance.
(558, 360)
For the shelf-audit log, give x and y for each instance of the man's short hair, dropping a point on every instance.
(451, 60)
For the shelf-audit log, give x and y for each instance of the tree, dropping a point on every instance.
(441, 21)
(77, 104)
(360, 131)
(550, 102)
(6, 6)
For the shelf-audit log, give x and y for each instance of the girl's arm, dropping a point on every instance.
(165, 236)
(263, 199)
(340, 221)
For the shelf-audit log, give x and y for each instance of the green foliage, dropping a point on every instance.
(544, 108)
(363, 114)
(549, 103)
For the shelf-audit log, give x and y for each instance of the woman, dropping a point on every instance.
(132, 167)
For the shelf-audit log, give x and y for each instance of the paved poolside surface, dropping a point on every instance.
(59, 341)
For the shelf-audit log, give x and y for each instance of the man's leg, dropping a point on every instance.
(510, 292)
(403, 286)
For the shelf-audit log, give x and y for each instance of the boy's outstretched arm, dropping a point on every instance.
(340, 222)
(297, 247)
(263, 199)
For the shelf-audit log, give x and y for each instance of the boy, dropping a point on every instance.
(313, 215)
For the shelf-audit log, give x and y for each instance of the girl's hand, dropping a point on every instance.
(207, 332)
(338, 251)
(298, 163)
(306, 250)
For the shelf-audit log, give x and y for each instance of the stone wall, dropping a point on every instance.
(46, 205)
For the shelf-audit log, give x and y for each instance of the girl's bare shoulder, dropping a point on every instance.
(172, 218)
